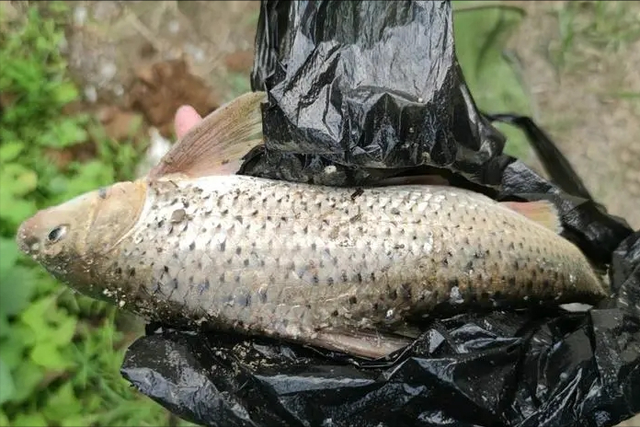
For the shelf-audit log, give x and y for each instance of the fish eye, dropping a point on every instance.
(57, 233)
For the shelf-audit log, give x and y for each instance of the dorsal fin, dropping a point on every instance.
(216, 145)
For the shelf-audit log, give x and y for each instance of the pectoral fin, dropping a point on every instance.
(218, 143)
(359, 343)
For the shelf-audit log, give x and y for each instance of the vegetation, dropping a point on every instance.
(60, 354)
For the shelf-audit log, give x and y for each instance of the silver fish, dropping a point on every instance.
(329, 267)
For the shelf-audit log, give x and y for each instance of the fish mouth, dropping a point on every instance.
(26, 240)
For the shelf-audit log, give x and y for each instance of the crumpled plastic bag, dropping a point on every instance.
(358, 92)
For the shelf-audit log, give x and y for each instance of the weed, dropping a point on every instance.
(589, 28)
(60, 354)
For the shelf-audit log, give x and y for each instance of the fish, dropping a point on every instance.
(351, 270)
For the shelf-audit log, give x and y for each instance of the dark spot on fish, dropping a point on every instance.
(316, 279)
(191, 280)
(268, 217)
(175, 283)
(222, 278)
(185, 202)
(229, 261)
(204, 286)
(469, 265)
(373, 277)
(239, 218)
(237, 278)
(353, 300)
(262, 263)
(335, 313)
(102, 193)
(393, 294)
(355, 218)
(254, 213)
(199, 265)
(244, 300)
(262, 294)
(512, 246)
(166, 269)
(308, 306)
(399, 246)
(376, 306)
(223, 246)
(246, 262)
(466, 239)
(359, 192)
(405, 291)
(132, 272)
(238, 250)
(174, 255)
(521, 245)
(388, 232)
(160, 223)
(252, 198)
(529, 285)
(344, 276)
(516, 265)
(224, 212)
(283, 218)
(174, 201)
(192, 246)
(359, 278)
(512, 281)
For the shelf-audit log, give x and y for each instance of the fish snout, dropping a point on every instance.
(27, 239)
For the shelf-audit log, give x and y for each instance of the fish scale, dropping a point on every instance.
(343, 269)
(287, 260)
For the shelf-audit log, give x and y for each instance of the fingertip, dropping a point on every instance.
(186, 117)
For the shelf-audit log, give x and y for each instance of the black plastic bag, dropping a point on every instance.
(374, 90)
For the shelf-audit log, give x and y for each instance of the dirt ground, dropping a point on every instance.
(146, 58)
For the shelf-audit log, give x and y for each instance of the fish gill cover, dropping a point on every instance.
(375, 89)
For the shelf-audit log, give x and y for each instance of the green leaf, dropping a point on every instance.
(30, 420)
(8, 256)
(61, 404)
(64, 331)
(65, 93)
(17, 179)
(47, 355)
(10, 150)
(20, 209)
(16, 288)
(28, 376)
(7, 388)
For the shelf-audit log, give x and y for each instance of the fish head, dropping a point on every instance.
(72, 240)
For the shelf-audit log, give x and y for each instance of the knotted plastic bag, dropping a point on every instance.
(364, 91)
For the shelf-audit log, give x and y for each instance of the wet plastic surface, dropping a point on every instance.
(374, 89)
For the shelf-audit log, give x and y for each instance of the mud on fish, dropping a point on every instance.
(311, 264)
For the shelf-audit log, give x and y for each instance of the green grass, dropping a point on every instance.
(590, 28)
(60, 354)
